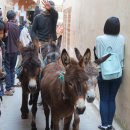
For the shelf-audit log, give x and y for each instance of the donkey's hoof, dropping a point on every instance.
(24, 116)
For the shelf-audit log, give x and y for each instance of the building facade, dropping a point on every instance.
(21, 7)
(83, 22)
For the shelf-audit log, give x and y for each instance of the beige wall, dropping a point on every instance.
(87, 21)
(5, 7)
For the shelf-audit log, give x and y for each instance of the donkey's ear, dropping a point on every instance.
(78, 54)
(65, 58)
(86, 58)
(59, 41)
(20, 46)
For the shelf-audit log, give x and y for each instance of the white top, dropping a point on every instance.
(25, 37)
(115, 41)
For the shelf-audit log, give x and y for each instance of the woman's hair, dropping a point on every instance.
(2, 25)
(112, 26)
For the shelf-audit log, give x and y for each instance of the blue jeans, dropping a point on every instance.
(108, 90)
(10, 62)
(1, 88)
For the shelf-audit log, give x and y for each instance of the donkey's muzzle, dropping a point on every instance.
(80, 110)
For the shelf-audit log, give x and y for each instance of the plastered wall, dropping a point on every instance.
(87, 22)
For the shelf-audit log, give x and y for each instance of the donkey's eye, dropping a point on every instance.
(70, 84)
(25, 70)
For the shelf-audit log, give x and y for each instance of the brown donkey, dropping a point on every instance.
(30, 79)
(91, 69)
(64, 93)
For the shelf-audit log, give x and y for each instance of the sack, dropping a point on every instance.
(111, 68)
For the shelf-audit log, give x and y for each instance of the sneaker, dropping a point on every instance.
(110, 128)
(8, 93)
(102, 128)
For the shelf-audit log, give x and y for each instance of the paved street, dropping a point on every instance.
(11, 116)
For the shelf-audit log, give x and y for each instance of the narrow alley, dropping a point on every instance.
(11, 115)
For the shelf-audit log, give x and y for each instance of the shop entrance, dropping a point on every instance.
(30, 15)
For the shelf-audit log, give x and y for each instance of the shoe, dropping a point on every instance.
(8, 93)
(12, 89)
(110, 128)
(102, 128)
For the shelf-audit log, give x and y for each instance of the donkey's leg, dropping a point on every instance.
(55, 122)
(34, 109)
(76, 121)
(47, 113)
(67, 122)
(52, 127)
(24, 106)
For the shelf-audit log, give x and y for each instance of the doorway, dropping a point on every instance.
(30, 15)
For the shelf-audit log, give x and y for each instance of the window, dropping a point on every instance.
(67, 23)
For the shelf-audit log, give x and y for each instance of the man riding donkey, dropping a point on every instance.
(43, 29)
(44, 26)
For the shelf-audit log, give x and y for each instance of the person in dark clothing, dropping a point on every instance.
(37, 11)
(12, 33)
(2, 74)
(2, 34)
(44, 24)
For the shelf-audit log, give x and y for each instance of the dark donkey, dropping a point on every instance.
(30, 79)
(51, 51)
(64, 93)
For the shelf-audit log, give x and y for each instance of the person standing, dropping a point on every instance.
(26, 41)
(44, 24)
(2, 35)
(12, 33)
(108, 88)
(2, 74)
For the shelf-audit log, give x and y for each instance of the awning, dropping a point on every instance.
(26, 3)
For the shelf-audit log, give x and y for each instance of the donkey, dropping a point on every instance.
(64, 93)
(51, 51)
(91, 69)
(30, 79)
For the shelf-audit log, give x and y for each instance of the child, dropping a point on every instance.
(2, 74)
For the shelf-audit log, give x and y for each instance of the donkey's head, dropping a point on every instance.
(31, 65)
(51, 51)
(91, 69)
(75, 87)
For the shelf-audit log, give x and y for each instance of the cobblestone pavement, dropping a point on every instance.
(11, 116)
